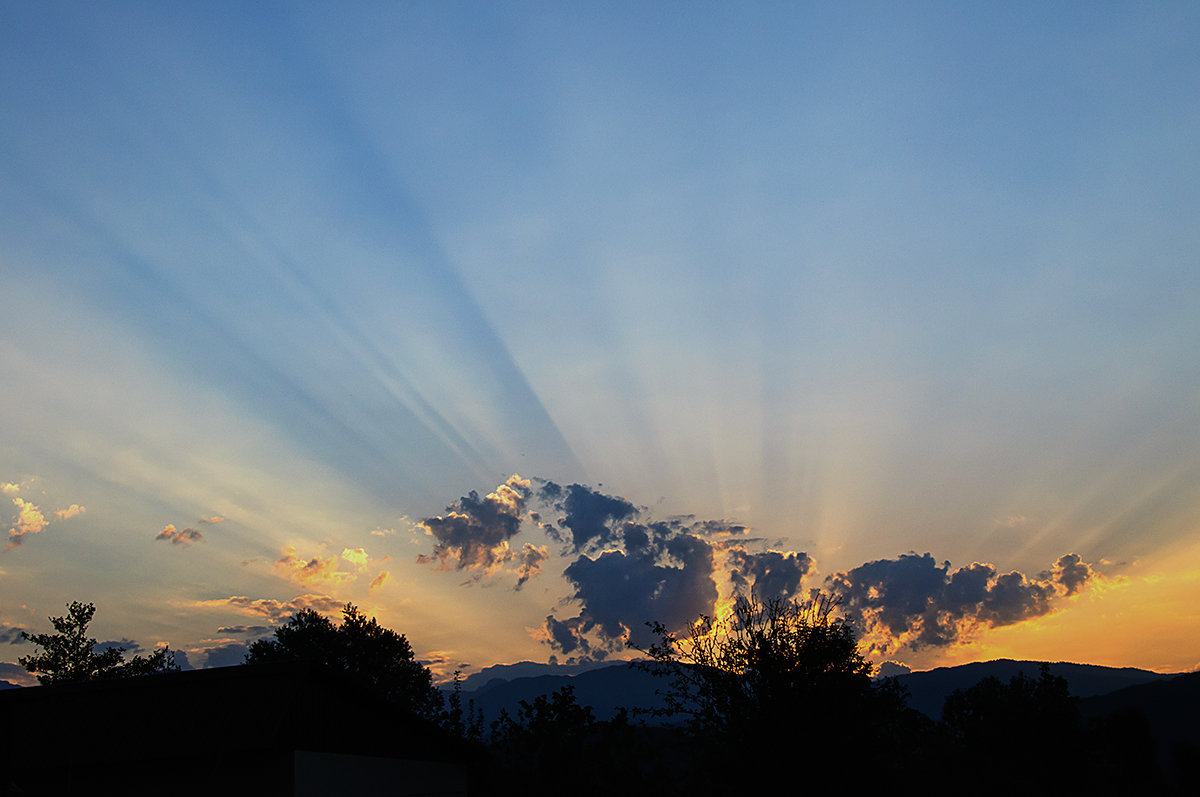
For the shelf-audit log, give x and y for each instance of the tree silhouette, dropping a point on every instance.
(70, 655)
(361, 650)
(779, 677)
(760, 663)
(1022, 731)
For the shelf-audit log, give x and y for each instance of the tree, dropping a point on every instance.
(760, 664)
(1022, 730)
(551, 742)
(71, 655)
(780, 677)
(465, 722)
(361, 650)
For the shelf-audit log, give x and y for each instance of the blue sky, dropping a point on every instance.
(866, 279)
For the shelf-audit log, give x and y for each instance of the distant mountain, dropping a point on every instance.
(607, 687)
(928, 690)
(525, 669)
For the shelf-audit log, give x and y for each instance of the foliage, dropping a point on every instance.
(993, 714)
(1022, 730)
(70, 655)
(555, 721)
(778, 677)
(552, 742)
(464, 722)
(763, 663)
(361, 650)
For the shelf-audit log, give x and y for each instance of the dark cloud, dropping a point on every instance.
(248, 630)
(226, 655)
(570, 636)
(768, 574)
(474, 532)
(128, 645)
(593, 517)
(11, 635)
(890, 669)
(663, 576)
(1072, 572)
(629, 569)
(14, 673)
(914, 601)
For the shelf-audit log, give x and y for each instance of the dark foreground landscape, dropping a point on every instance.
(782, 701)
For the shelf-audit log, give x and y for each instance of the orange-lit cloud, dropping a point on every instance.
(377, 583)
(310, 572)
(30, 520)
(212, 519)
(179, 536)
(69, 512)
(273, 610)
(355, 556)
(8, 488)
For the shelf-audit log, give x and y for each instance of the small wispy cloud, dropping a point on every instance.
(313, 571)
(212, 519)
(69, 512)
(273, 610)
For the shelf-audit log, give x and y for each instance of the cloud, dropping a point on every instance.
(14, 673)
(591, 516)
(628, 570)
(30, 520)
(11, 635)
(248, 630)
(1072, 572)
(127, 645)
(355, 556)
(889, 669)
(314, 571)
(768, 575)
(666, 579)
(70, 512)
(379, 580)
(224, 654)
(475, 532)
(569, 636)
(179, 536)
(915, 602)
(212, 519)
(383, 532)
(8, 488)
(529, 562)
(273, 610)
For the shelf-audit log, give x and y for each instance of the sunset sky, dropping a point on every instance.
(695, 297)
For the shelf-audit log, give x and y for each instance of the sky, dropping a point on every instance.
(519, 325)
